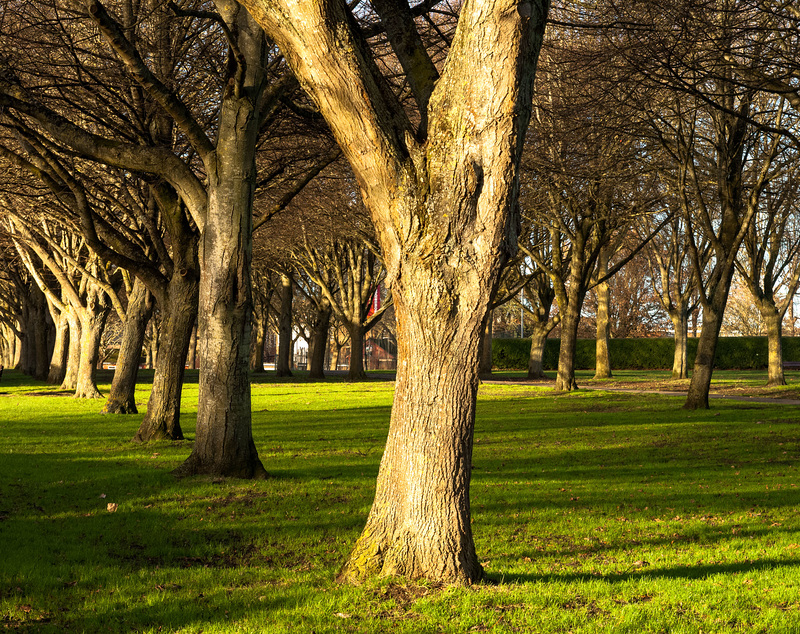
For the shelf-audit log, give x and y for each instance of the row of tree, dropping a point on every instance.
(145, 145)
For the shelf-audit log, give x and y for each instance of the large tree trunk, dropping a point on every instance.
(319, 342)
(419, 525)
(565, 379)
(356, 370)
(178, 315)
(283, 366)
(121, 398)
(93, 321)
(224, 443)
(680, 361)
(443, 203)
(773, 322)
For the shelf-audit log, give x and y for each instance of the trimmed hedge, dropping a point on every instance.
(733, 353)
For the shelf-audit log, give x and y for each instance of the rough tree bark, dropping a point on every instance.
(93, 321)
(485, 363)
(443, 200)
(680, 360)
(121, 398)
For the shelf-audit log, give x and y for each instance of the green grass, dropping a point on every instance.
(593, 512)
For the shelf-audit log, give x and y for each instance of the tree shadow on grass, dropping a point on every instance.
(676, 572)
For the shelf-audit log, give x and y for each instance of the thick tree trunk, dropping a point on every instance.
(121, 398)
(93, 321)
(485, 363)
(319, 343)
(283, 366)
(419, 525)
(774, 326)
(356, 370)
(535, 360)
(680, 361)
(178, 315)
(700, 384)
(565, 379)
(224, 443)
(603, 326)
(70, 381)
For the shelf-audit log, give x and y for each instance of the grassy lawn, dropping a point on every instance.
(593, 512)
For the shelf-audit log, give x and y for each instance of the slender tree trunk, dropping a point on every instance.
(336, 350)
(603, 326)
(565, 380)
(178, 316)
(93, 321)
(535, 360)
(774, 326)
(58, 360)
(319, 343)
(70, 381)
(257, 339)
(485, 367)
(284, 363)
(191, 356)
(121, 398)
(224, 443)
(356, 370)
(680, 361)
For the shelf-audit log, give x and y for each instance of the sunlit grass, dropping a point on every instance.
(593, 512)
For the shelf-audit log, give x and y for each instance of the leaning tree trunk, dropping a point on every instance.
(162, 420)
(121, 398)
(700, 384)
(319, 342)
(773, 320)
(283, 366)
(224, 442)
(93, 321)
(680, 361)
(356, 370)
(602, 356)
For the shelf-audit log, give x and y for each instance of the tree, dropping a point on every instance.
(439, 181)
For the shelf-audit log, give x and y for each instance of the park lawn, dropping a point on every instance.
(592, 512)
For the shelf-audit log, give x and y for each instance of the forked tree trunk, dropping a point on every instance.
(93, 321)
(224, 442)
(485, 363)
(319, 343)
(70, 381)
(162, 420)
(680, 360)
(283, 366)
(356, 370)
(121, 398)
(444, 209)
(773, 322)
